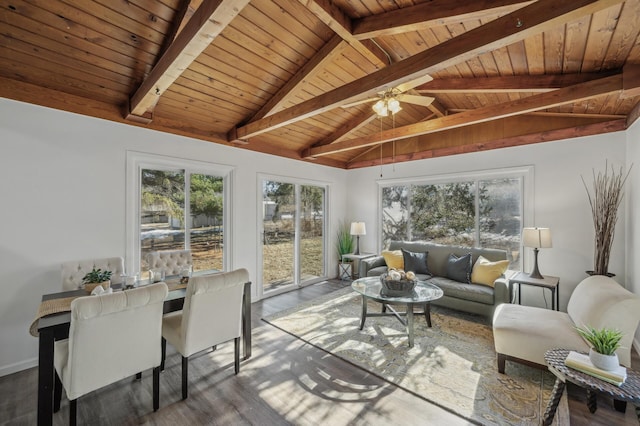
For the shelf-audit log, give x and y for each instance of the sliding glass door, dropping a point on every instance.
(292, 234)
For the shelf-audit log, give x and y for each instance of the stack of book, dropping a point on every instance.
(581, 362)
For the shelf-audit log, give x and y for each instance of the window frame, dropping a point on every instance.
(526, 173)
(135, 162)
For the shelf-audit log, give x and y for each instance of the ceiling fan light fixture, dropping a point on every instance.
(393, 105)
(381, 108)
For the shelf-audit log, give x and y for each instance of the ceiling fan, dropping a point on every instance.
(388, 101)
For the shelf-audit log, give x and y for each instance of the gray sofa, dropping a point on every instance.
(474, 298)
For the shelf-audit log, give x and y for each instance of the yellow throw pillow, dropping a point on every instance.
(485, 272)
(394, 259)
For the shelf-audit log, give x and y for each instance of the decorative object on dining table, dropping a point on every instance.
(130, 281)
(95, 278)
(357, 229)
(536, 238)
(98, 290)
(397, 282)
(185, 274)
(156, 275)
(604, 343)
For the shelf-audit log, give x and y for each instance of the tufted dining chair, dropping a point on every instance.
(171, 261)
(111, 337)
(72, 272)
(212, 314)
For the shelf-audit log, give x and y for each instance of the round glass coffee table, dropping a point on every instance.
(422, 295)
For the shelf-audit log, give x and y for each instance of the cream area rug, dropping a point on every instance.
(452, 364)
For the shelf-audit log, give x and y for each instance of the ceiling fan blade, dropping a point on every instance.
(414, 83)
(362, 101)
(417, 100)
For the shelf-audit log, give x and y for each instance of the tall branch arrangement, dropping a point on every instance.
(605, 199)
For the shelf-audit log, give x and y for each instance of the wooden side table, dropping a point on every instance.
(549, 282)
(629, 391)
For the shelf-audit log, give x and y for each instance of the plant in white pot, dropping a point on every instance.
(604, 343)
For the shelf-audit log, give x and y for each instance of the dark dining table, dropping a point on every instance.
(56, 327)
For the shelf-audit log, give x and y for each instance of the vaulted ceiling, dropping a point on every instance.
(298, 78)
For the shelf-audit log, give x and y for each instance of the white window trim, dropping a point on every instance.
(135, 162)
(527, 173)
(261, 177)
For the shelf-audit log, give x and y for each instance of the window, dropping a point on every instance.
(479, 210)
(293, 234)
(179, 204)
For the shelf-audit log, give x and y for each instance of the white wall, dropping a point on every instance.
(633, 207)
(560, 201)
(62, 182)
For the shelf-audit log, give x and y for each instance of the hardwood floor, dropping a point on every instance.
(285, 382)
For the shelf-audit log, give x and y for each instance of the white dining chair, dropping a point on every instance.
(72, 272)
(212, 314)
(111, 337)
(171, 261)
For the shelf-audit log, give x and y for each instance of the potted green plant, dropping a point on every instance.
(604, 343)
(95, 278)
(344, 245)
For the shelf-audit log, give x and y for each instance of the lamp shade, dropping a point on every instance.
(536, 237)
(358, 228)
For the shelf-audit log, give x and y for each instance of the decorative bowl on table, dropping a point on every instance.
(393, 287)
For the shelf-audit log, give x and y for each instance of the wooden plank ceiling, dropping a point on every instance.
(298, 78)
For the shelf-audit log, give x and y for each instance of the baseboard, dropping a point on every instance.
(18, 366)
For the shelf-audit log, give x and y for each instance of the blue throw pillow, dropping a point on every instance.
(459, 268)
(416, 262)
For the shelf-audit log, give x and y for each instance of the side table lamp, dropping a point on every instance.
(357, 229)
(536, 238)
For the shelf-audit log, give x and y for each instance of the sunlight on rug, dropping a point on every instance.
(452, 364)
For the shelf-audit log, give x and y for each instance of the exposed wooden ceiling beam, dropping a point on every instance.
(533, 19)
(349, 127)
(532, 103)
(179, 20)
(532, 138)
(520, 83)
(340, 23)
(327, 53)
(204, 26)
(430, 14)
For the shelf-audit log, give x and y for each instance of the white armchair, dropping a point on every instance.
(111, 337)
(72, 272)
(525, 333)
(171, 261)
(212, 314)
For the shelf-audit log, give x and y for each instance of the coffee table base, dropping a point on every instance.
(408, 323)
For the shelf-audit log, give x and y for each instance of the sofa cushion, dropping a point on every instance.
(475, 293)
(459, 268)
(486, 272)
(416, 262)
(393, 258)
